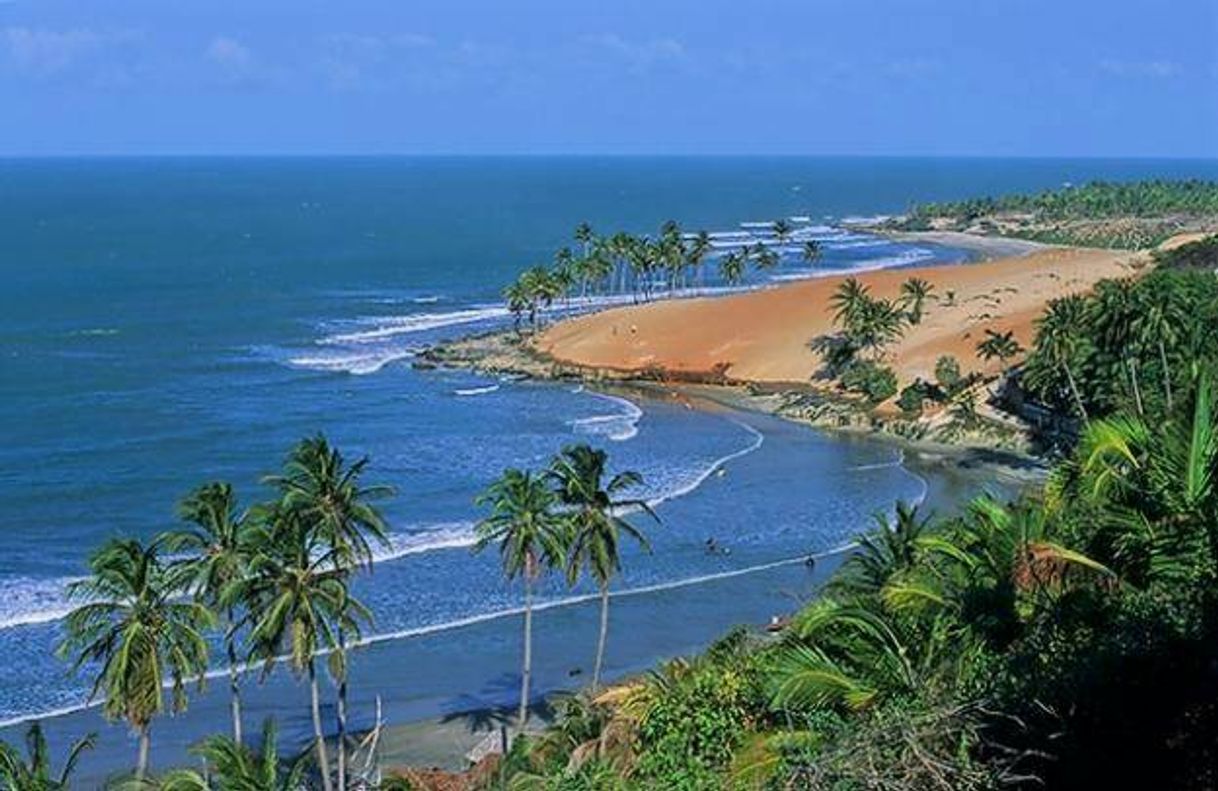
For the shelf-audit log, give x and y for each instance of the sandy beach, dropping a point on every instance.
(763, 336)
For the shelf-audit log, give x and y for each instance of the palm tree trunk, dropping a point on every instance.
(600, 643)
(342, 714)
(234, 688)
(141, 765)
(1078, 400)
(1166, 374)
(527, 667)
(323, 765)
(1131, 366)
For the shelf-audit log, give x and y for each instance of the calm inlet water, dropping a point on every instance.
(168, 322)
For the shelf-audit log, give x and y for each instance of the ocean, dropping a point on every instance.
(166, 322)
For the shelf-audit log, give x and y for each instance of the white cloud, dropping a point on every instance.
(640, 56)
(1158, 69)
(354, 60)
(45, 53)
(230, 55)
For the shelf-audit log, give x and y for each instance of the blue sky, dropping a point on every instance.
(901, 77)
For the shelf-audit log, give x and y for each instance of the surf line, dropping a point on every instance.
(422, 631)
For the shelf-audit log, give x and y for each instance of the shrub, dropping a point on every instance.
(692, 731)
(947, 374)
(913, 395)
(874, 382)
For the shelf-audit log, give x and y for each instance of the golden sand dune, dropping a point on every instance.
(763, 336)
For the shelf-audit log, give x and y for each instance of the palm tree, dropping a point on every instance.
(519, 301)
(1156, 486)
(531, 537)
(584, 235)
(732, 268)
(915, 291)
(697, 253)
(765, 258)
(1061, 338)
(137, 627)
(885, 552)
(216, 544)
(1000, 345)
(34, 772)
(782, 229)
(854, 655)
(340, 513)
(296, 599)
(848, 299)
(233, 767)
(811, 251)
(597, 526)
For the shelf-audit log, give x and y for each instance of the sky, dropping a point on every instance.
(819, 77)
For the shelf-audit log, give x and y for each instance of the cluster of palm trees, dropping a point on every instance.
(641, 266)
(571, 517)
(276, 578)
(1128, 342)
(868, 323)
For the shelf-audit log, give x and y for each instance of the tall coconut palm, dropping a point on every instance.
(329, 497)
(297, 598)
(216, 545)
(518, 300)
(595, 510)
(33, 772)
(811, 251)
(531, 537)
(137, 629)
(232, 766)
(1112, 315)
(584, 235)
(782, 229)
(698, 250)
(765, 259)
(1061, 338)
(914, 292)
(732, 268)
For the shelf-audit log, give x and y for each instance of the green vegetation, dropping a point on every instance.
(1097, 200)
(874, 382)
(641, 266)
(1130, 344)
(1201, 254)
(34, 772)
(1017, 641)
(1101, 214)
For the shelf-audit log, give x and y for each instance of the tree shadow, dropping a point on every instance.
(480, 716)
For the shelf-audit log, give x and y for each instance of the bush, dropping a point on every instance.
(913, 396)
(874, 382)
(692, 732)
(947, 374)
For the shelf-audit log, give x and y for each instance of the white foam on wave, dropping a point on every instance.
(701, 477)
(384, 328)
(445, 535)
(445, 626)
(29, 601)
(358, 363)
(618, 427)
(473, 391)
(907, 258)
